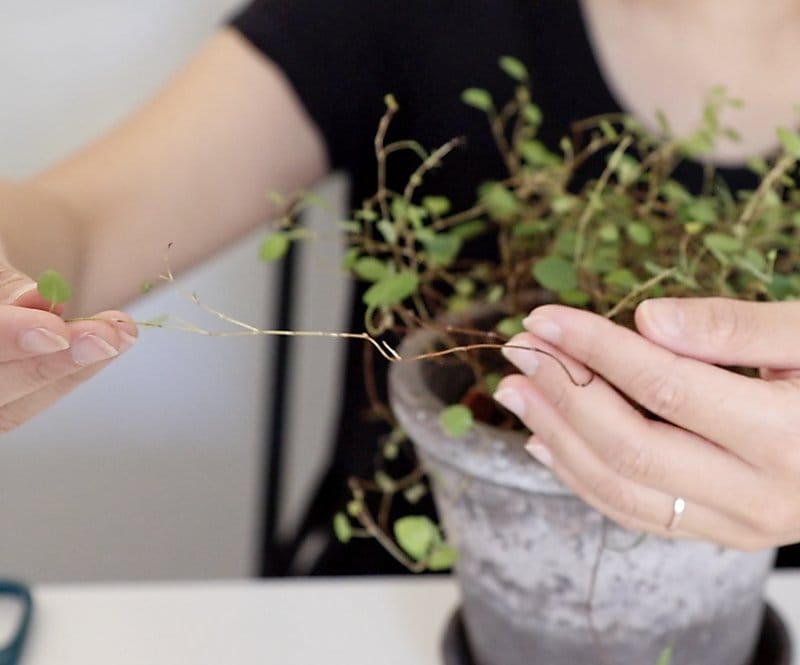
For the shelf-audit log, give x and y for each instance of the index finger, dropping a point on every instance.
(717, 404)
(26, 332)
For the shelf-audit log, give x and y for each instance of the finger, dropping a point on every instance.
(647, 452)
(716, 404)
(16, 413)
(28, 332)
(724, 331)
(628, 503)
(90, 342)
(14, 285)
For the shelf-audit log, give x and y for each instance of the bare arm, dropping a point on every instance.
(192, 167)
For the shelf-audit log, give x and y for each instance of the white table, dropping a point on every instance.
(391, 621)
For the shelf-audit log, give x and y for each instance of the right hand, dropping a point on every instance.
(43, 357)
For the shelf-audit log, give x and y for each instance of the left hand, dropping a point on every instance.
(728, 444)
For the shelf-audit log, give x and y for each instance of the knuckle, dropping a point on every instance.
(40, 371)
(722, 326)
(620, 499)
(662, 393)
(630, 459)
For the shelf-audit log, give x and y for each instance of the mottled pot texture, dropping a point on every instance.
(528, 547)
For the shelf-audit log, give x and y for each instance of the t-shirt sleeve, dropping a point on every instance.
(330, 51)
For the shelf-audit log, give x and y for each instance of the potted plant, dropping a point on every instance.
(545, 579)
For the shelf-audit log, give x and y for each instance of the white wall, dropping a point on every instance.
(153, 469)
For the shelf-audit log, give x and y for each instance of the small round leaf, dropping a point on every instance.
(456, 420)
(53, 287)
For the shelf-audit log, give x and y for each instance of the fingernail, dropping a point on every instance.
(511, 400)
(127, 340)
(525, 358)
(90, 349)
(664, 316)
(543, 327)
(42, 341)
(540, 452)
(21, 291)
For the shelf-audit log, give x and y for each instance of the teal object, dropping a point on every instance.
(11, 652)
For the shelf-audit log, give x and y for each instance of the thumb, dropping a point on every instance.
(15, 287)
(724, 331)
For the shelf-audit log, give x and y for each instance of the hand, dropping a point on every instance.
(727, 444)
(42, 357)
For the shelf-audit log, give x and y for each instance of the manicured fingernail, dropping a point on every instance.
(42, 341)
(90, 349)
(526, 359)
(21, 291)
(540, 452)
(664, 316)
(543, 327)
(512, 400)
(127, 340)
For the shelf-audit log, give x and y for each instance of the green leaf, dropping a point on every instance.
(355, 508)
(510, 326)
(387, 230)
(146, 287)
(53, 287)
(275, 246)
(530, 227)
(495, 294)
(608, 233)
(350, 257)
(699, 210)
(456, 420)
(533, 114)
(350, 226)
(392, 289)
(782, 287)
(722, 243)
(639, 233)
(499, 200)
(370, 269)
(574, 297)
(342, 528)
(564, 204)
(415, 493)
(566, 244)
(367, 214)
(790, 141)
(391, 102)
(470, 229)
(442, 557)
(465, 287)
(665, 657)
(492, 380)
(437, 206)
(556, 274)
(608, 130)
(622, 278)
(536, 154)
(478, 98)
(417, 535)
(443, 248)
(514, 68)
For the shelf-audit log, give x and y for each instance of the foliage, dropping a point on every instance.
(601, 242)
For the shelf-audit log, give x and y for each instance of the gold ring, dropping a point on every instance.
(678, 508)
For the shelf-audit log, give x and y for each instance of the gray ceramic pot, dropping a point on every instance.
(528, 548)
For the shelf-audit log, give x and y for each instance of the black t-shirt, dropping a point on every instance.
(343, 56)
